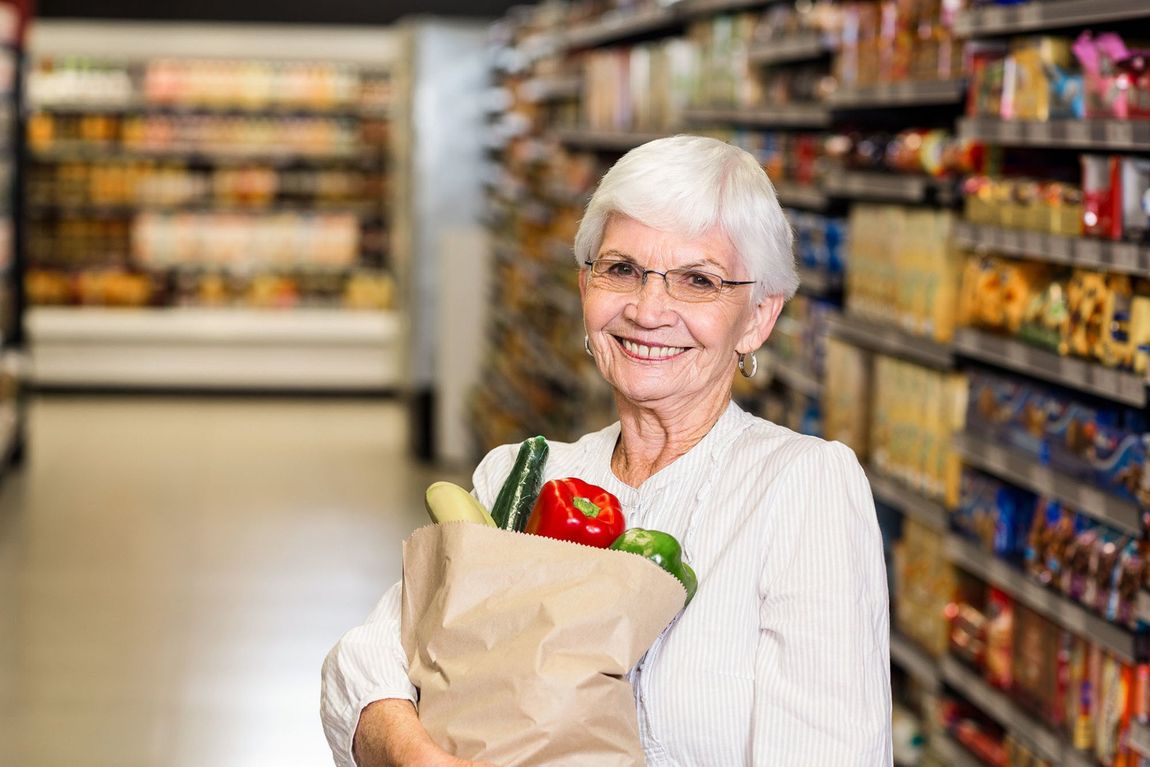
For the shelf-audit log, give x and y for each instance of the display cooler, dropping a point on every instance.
(207, 207)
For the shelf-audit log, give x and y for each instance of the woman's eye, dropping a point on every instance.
(621, 269)
(702, 281)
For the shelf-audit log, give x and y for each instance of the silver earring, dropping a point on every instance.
(587, 346)
(743, 365)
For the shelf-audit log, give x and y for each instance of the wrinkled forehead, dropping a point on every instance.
(668, 248)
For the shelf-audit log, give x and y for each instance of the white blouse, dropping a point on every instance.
(781, 659)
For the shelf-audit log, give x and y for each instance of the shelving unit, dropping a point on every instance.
(910, 502)
(1047, 744)
(191, 201)
(887, 187)
(805, 196)
(893, 341)
(1024, 471)
(862, 103)
(1056, 14)
(1095, 134)
(790, 116)
(1092, 377)
(802, 46)
(603, 141)
(953, 754)
(1084, 252)
(901, 94)
(915, 662)
(792, 375)
(1073, 617)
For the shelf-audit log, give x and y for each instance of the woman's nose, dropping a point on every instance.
(651, 302)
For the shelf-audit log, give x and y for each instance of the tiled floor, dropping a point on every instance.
(172, 572)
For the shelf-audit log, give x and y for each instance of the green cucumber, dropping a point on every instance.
(517, 496)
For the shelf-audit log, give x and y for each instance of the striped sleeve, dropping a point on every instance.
(366, 665)
(822, 689)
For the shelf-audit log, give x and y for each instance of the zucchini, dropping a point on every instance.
(517, 496)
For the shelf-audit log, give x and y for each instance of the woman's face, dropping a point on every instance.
(657, 351)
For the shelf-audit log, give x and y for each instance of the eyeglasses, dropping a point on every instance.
(689, 285)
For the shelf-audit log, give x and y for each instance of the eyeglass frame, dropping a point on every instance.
(666, 285)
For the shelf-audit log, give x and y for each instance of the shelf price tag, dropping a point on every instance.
(1009, 131)
(1030, 15)
(1119, 133)
(992, 18)
(1077, 131)
(1089, 252)
(1139, 738)
(1124, 255)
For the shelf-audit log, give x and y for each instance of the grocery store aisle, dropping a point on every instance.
(173, 570)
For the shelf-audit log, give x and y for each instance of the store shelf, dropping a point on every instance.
(884, 187)
(913, 504)
(1085, 252)
(908, 656)
(1024, 471)
(605, 141)
(791, 374)
(693, 8)
(277, 208)
(1045, 742)
(1138, 738)
(543, 89)
(1079, 134)
(1142, 607)
(300, 349)
(617, 26)
(952, 753)
(141, 106)
(903, 94)
(788, 116)
(1071, 616)
(818, 282)
(220, 155)
(805, 196)
(801, 46)
(892, 340)
(1054, 14)
(1092, 377)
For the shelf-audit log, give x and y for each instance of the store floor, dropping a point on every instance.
(172, 572)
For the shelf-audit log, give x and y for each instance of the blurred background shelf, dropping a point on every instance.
(1055, 14)
(1093, 377)
(301, 349)
(892, 340)
(1024, 471)
(1083, 252)
(1099, 134)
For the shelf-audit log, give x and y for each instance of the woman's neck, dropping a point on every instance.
(650, 439)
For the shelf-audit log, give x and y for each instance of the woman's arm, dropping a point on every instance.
(366, 672)
(390, 735)
(822, 666)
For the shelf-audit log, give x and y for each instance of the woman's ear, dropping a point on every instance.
(762, 322)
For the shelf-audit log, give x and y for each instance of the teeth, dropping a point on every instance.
(649, 352)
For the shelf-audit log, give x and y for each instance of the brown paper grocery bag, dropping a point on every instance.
(520, 645)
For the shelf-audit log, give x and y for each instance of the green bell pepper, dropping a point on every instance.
(662, 549)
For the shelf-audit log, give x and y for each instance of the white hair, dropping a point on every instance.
(690, 185)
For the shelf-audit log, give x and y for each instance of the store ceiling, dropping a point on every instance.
(271, 11)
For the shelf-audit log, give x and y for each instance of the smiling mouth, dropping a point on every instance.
(647, 352)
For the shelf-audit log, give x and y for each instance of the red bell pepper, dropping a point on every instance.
(573, 510)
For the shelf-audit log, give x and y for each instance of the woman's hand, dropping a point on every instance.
(390, 735)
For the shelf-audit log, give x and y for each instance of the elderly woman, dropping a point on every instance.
(782, 657)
